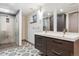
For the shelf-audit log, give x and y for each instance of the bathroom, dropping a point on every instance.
(48, 29)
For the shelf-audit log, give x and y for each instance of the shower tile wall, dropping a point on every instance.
(6, 29)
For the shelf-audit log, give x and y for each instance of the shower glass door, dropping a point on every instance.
(7, 29)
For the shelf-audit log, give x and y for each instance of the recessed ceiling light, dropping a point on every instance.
(48, 14)
(61, 10)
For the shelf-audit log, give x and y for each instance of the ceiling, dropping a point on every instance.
(28, 8)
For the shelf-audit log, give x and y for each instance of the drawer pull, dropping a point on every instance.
(38, 44)
(56, 53)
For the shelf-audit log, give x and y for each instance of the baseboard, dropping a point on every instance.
(28, 42)
(8, 43)
(23, 39)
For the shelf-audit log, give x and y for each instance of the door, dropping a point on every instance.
(73, 22)
(40, 44)
(61, 22)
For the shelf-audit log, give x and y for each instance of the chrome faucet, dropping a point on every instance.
(64, 31)
(45, 29)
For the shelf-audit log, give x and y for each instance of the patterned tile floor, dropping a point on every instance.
(25, 50)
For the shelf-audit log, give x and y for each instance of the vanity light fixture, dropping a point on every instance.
(40, 8)
(61, 10)
(48, 14)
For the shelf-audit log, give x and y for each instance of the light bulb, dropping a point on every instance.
(61, 10)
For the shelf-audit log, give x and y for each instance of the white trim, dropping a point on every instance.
(55, 21)
(20, 27)
(67, 21)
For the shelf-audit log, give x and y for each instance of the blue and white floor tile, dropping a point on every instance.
(26, 50)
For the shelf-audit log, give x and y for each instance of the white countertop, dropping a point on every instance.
(69, 36)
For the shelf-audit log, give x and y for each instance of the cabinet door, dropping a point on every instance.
(40, 44)
(61, 22)
(44, 45)
(58, 47)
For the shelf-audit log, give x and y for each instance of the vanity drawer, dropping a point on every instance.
(38, 42)
(54, 52)
(59, 42)
(59, 51)
(59, 46)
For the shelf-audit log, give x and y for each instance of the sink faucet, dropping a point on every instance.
(46, 29)
(64, 31)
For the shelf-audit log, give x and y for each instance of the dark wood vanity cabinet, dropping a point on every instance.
(40, 44)
(53, 46)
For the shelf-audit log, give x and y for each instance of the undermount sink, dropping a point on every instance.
(67, 36)
(71, 36)
(60, 34)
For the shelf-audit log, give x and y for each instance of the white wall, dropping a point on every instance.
(67, 21)
(23, 28)
(35, 27)
(18, 25)
(17, 29)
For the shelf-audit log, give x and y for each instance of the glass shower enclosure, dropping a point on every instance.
(10, 28)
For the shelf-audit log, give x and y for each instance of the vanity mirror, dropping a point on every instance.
(66, 17)
(48, 22)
